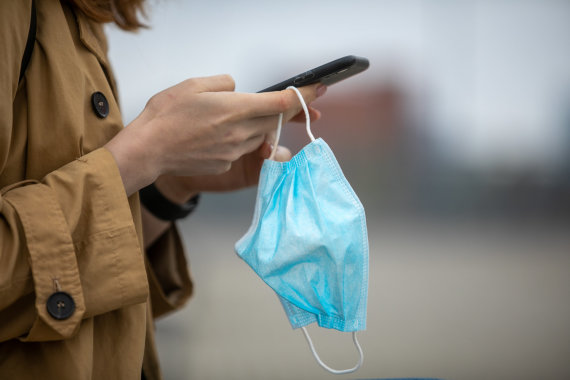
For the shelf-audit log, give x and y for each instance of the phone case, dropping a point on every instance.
(329, 73)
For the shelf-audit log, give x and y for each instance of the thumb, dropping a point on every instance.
(282, 154)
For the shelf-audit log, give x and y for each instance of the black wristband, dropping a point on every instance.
(162, 208)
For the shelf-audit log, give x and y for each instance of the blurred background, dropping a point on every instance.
(457, 141)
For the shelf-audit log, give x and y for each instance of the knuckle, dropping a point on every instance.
(232, 155)
(285, 101)
(229, 81)
(241, 136)
(235, 136)
(191, 82)
(308, 94)
(236, 155)
(240, 115)
(225, 119)
(223, 166)
(231, 138)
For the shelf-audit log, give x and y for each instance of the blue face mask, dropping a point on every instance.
(308, 241)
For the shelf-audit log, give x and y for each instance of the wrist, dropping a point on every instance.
(174, 189)
(135, 163)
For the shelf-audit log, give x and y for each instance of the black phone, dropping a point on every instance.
(329, 73)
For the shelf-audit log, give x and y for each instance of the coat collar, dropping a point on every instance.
(92, 39)
(92, 35)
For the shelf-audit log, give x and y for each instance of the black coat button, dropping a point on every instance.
(60, 305)
(100, 104)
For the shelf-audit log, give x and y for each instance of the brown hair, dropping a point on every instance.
(124, 13)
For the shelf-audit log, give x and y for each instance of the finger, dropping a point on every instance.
(274, 103)
(266, 126)
(308, 97)
(216, 83)
(314, 114)
(271, 135)
(251, 144)
(265, 150)
(282, 154)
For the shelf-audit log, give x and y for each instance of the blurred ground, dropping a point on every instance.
(455, 300)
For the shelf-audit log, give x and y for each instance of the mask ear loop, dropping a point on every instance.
(280, 122)
(307, 337)
(326, 367)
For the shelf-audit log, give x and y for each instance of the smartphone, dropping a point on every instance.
(327, 74)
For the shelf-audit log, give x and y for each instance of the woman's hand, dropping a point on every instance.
(199, 128)
(243, 173)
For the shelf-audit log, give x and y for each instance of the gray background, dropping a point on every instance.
(457, 140)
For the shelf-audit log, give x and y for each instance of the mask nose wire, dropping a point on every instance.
(280, 122)
(326, 367)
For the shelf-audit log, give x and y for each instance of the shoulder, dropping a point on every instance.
(15, 16)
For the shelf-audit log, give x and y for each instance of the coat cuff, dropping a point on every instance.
(51, 257)
(168, 273)
(82, 241)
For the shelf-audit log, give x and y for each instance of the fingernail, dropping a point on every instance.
(321, 89)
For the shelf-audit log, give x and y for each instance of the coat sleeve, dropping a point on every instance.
(168, 274)
(70, 232)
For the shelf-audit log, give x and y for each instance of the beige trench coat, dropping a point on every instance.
(66, 225)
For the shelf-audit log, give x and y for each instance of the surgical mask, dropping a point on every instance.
(308, 241)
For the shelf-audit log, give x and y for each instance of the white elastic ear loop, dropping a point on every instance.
(280, 122)
(335, 371)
